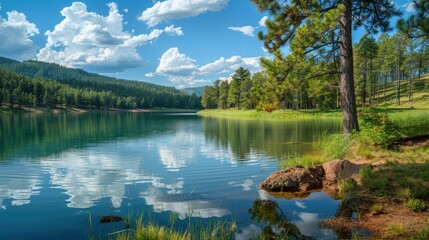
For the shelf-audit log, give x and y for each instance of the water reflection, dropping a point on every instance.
(272, 138)
(113, 162)
(273, 221)
(185, 205)
(18, 183)
(42, 135)
(92, 174)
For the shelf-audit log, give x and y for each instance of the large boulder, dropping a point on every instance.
(295, 179)
(336, 170)
(301, 180)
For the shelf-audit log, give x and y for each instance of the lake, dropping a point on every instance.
(59, 170)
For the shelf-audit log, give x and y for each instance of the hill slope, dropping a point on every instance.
(147, 95)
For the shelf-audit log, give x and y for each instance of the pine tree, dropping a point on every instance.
(319, 28)
(367, 51)
(417, 25)
(235, 93)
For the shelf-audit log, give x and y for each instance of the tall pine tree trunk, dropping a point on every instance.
(347, 90)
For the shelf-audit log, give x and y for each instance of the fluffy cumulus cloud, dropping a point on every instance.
(15, 33)
(99, 43)
(246, 30)
(176, 9)
(184, 71)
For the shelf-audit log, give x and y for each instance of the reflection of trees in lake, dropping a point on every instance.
(44, 134)
(273, 221)
(274, 138)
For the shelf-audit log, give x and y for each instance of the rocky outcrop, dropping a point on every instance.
(300, 179)
(295, 179)
(336, 170)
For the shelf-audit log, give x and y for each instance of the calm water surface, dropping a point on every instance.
(59, 170)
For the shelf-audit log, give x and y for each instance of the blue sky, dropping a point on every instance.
(179, 43)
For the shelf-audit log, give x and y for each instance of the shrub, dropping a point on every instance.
(377, 128)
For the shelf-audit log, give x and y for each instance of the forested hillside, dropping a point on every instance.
(42, 84)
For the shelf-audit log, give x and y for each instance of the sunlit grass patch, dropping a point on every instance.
(297, 160)
(395, 230)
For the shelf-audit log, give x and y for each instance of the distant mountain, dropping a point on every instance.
(197, 90)
(146, 95)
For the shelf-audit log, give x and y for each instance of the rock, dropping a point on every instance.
(340, 169)
(332, 169)
(295, 179)
(301, 180)
(108, 219)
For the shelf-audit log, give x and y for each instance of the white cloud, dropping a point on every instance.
(173, 62)
(176, 9)
(262, 21)
(229, 65)
(15, 33)
(126, 10)
(246, 30)
(88, 40)
(300, 204)
(183, 70)
(409, 7)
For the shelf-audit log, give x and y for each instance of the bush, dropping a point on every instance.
(377, 128)
(267, 106)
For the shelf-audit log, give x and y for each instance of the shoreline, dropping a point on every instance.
(386, 214)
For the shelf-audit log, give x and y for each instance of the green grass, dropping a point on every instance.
(422, 234)
(404, 193)
(149, 229)
(416, 205)
(334, 146)
(347, 186)
(395, 230)
(275, 115)
(305, 161)
(420, 91)
(411, 180)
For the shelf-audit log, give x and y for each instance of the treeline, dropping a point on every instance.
(287, 82)
(75, 87)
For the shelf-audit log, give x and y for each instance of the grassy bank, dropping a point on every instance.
(275, 115)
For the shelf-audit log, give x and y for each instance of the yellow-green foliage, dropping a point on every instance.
(404, 193)
(347, 186)
(394, 231)
(377, 207)
(416, 205)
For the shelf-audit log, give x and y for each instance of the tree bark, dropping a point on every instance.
(347, 91)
